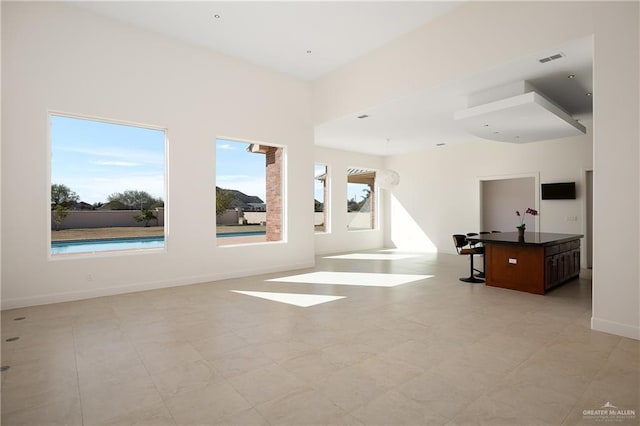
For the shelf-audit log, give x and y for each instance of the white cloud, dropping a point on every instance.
(115, 163)
(225, 146)
(140, 156)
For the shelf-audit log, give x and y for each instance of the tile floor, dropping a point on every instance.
(429, 352)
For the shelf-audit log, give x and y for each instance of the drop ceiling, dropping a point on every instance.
(310, 39)
(425, 119)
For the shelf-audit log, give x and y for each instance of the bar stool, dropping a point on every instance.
(474, 244)
(460, 242)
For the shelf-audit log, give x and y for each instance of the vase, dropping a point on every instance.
(520, 233)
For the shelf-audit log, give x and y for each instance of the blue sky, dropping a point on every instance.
(238, 169)
(318, 186)
(96, 159)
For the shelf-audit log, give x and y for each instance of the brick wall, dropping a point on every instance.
(274, 193)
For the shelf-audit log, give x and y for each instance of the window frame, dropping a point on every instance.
(374, 221)
(326, 209)
(283, 198)
(49, 182)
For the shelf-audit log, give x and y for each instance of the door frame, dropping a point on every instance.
(588, 236)
(536, 193)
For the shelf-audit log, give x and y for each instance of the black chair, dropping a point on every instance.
(479, 245)
(463, 248)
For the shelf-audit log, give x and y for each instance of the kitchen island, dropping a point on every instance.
(536, 263)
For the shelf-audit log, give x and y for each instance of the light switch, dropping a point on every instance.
(513, 261)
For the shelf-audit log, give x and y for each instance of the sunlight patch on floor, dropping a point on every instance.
(297, 299)
(372, 256)
(353, 278)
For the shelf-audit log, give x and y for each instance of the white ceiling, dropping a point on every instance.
(425, 119)
(278, 35)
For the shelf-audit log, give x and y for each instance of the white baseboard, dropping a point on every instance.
(612, 327)
(45, 299)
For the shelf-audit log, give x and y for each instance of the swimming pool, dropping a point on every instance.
(90, 246)
(240, 234)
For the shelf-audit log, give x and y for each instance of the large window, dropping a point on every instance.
(321, 197)
(361, 198)
(249, 192)
(107, 186)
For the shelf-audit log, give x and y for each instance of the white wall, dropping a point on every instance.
(59, 57)
(339, 238)
(479, 35)
(1, 173)
(501, 198)
(447, 199)
(616, 177)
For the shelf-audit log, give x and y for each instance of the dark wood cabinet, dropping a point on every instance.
(535, 264)
(562, 263)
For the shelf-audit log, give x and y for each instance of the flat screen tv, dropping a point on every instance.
(559, 191)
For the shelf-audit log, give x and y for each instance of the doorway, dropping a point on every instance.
(501, 197)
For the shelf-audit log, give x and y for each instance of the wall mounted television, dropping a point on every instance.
(559, 191)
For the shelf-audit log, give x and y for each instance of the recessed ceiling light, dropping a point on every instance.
(363, 116)
(486, 125)
(441, 144)
(217, 16)
(571, 76)
(308, 51)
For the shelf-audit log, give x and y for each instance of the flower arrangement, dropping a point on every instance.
(530, 211)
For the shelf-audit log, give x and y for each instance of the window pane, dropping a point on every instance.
(361, 204)
(107, 186)
(320, 190)
(248, 192)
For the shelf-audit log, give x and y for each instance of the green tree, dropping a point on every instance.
(62, 195)
(60, 212)
(133, 200)
(146, 216)
(223, 200)
(318, 206)
(353, 205)
(362, 205)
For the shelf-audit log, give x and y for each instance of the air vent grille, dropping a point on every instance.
(551, 58)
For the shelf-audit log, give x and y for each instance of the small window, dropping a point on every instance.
(321, 197)
(107, 186)
(361, 199)
(249, 192)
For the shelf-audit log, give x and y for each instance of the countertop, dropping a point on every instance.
(530, 238)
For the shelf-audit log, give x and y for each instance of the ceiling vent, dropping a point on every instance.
(522, 116)
(551, 58)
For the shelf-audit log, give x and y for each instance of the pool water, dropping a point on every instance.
(90, 246)
(66, 247)
(240, 234)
